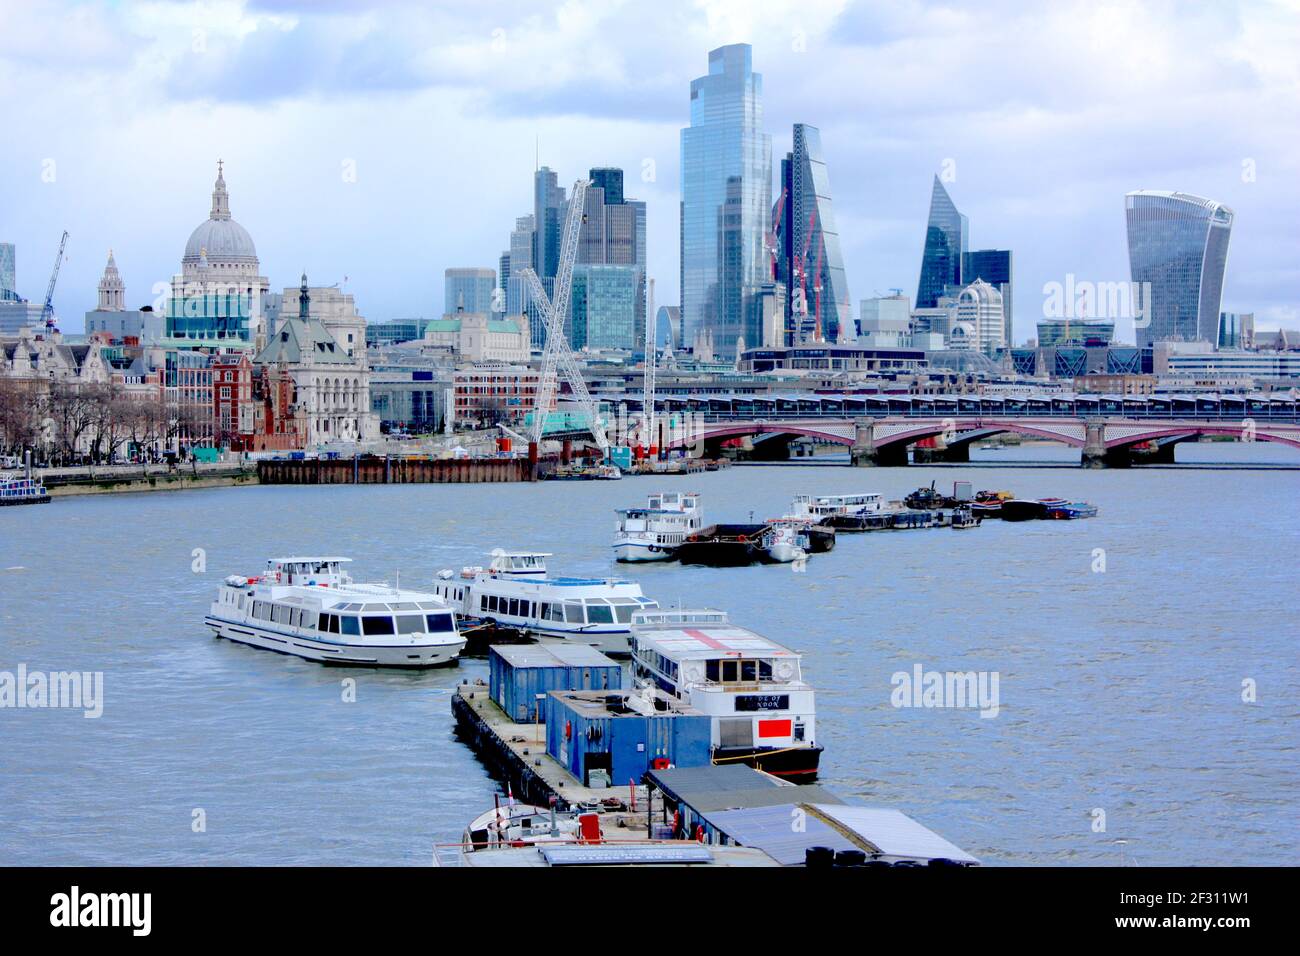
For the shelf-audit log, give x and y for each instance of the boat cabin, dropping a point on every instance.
(822, 506)
(518, 563)
(307, 572)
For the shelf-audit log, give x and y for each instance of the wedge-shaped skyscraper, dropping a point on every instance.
(945, 244)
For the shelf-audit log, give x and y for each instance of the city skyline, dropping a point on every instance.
(324, 190)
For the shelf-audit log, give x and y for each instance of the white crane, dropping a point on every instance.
(556, 355)
(648, 398)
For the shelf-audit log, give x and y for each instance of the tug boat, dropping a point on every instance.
(785, 542)
(964, 518)
(653, 533)
(820, 539)
(762, 711)
(22, 491)
(514, 590)
(311, 608)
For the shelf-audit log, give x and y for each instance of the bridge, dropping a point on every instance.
(878, 429)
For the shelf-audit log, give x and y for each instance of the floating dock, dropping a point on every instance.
(516, 754)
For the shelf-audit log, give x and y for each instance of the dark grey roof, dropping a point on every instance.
(296, 341)
(729, 786)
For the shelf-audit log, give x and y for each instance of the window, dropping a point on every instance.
(600, 614)
(348, 624)
(711, 671)
(573, 613)
(409, 623)
(623, 612)
(513, 610)
(749, 670)
(377, 625)
(440, 623)
(730, 671)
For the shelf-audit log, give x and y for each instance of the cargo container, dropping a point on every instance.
(519, 673)
(615, 738)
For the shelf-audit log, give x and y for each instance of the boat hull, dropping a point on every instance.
(32, 500)
(795, 764)
(820, 540)
(411, 655)
(631, 552)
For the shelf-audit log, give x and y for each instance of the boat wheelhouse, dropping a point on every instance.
(310, 607)
(516, 591)
(762, 711)
(654, 532)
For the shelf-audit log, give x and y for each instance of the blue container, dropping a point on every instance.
(585, 734)
(519, 673)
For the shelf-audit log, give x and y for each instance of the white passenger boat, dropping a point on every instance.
(824, 507)
(652, 533)
(515, 591)
(763, 712)
(311, 608)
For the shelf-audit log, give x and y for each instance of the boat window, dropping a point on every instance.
(376, 607)
(409, 623)
(440, 623)
(765, 670)
(600, 614)
(514, 607)
(711, 670)
(377, 625)
(348, 624)
(624, 613)
(749, 670)
(730, 671)
(573, 613)
(482, 602)
(405, 606)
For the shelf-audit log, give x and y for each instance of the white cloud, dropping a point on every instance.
(1051, 113)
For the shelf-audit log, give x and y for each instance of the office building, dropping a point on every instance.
(994, 267)
(468, 290)
(726, 169)
(945, 245)
(1178, 248)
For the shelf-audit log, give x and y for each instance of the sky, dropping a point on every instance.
(377, 144)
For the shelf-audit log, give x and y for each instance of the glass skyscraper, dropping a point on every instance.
(945, 244)
(614, 234)
(468, 289)
(1179, 244)
(603, 311)
(809, 242)
(726, 189)
(8, 272)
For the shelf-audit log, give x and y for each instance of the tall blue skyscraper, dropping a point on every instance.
(809, 260)
(726, 191)
(1179, 244)
(945, 244)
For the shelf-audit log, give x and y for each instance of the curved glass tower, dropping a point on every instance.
(726, 192)
(1179, 244)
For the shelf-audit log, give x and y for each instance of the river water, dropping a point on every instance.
(1121, 736)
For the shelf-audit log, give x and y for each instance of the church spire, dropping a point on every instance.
(304, 300)
(220, 198)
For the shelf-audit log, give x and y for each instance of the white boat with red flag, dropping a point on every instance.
(763, 712)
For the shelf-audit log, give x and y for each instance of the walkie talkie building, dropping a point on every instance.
(1177, 243)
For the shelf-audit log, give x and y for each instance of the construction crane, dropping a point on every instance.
(557, 356)
(648, 398)
(47, 311)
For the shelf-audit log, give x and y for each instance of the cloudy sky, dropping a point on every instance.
(384, 142)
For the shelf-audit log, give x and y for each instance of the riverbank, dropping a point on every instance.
(110, 479)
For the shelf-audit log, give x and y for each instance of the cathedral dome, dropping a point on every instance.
(220, 237)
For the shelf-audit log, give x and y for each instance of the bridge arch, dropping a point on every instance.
(715, 432)
(966, 432)
(1174, 434)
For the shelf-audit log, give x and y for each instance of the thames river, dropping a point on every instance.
(1146, 659)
